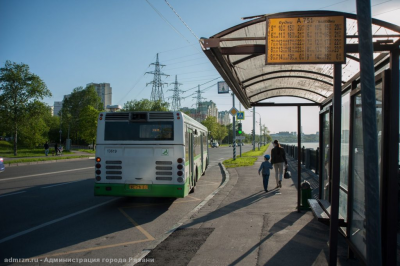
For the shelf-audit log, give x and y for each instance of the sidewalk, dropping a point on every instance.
(243, 225)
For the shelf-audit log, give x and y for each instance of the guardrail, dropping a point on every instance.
(309, 157)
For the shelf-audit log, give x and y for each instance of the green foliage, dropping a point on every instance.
(247, 159)
(220, 133)
(88, 151)
(212, 126)
(21, 91)
(5, 145)
(22, 152)
(88, 123)
(49, 158)
(145, 105)
(80, 105)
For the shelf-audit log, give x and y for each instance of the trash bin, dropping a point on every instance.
(305, 194)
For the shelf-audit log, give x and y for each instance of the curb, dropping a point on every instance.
(185, 218)
(44, 162)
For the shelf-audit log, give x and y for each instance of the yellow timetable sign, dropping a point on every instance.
(306, 40)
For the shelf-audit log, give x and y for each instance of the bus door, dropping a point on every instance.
(201, 149)
(192, 157)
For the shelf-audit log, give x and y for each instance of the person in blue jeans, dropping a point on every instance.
(265, 167)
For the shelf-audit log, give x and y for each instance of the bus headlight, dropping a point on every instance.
(179, 167)
(98, 165)
(180, 160)
(98, 178)
(180, 179)
(98, 172)
(180, 173)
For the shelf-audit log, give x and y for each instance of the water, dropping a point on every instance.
(307, 145)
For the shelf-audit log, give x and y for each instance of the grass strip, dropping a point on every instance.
(247, 159)
(30, 160)
(88, 151)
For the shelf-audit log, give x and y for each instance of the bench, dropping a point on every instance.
(322, 211)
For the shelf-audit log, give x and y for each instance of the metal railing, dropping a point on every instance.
(309, 157)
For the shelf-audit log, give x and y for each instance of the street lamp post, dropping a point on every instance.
(260, 139)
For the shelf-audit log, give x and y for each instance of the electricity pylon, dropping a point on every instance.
(198, 104)
(157, 89)
(176, 98)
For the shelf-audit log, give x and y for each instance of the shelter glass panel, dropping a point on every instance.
(344, 155)
(326, 156)
(357, 227)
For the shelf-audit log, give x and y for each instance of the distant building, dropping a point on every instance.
(205, 110)
(51, 109)
(223, 118)
(104, 91)
(57, 108)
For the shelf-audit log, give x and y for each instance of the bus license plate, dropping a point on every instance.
(138, 187)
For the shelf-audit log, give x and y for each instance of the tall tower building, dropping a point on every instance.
(57, 108)
(104, 91)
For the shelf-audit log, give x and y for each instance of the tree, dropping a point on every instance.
(221, 133)
(212, 126)
(145, 105)
(19, 90)
(88, 124)
(75, 105)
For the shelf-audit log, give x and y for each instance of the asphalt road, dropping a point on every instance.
(49, 211)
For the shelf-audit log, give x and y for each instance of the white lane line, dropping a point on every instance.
(51, 173)
(12, 194)
(54, 221)
(63, 184)
(221, 158)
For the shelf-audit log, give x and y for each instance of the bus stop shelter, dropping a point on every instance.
(318, 56)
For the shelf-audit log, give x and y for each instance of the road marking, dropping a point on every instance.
(144, 232)
(221, 158)
(63, 184)
(149, 237)
(54, 221)
(12, 194)
(72, 170)
(91, 249)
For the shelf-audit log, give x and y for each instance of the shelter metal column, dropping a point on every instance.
(370, 135)
(254, 128)
(298, 156)
(335, 162)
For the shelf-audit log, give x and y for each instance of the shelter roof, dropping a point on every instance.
(238, 53)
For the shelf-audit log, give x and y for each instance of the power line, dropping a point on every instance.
(138, 80)
(181, 20)
(166, 21)
(201, 84)
(181, 56)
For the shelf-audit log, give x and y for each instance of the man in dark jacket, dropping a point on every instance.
(46, 148)
(278, 159)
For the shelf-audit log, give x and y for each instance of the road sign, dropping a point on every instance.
(310, 40)
(240, 137)
(223, 87)
(240, 115)
(233, 111)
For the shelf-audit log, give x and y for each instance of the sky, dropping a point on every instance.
(76, 42)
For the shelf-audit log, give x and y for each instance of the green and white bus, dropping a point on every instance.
(149, 154)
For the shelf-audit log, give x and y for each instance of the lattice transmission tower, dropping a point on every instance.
(157, 89)
(176, 96)
(199, 99)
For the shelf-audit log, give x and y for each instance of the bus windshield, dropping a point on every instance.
(123, 130)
